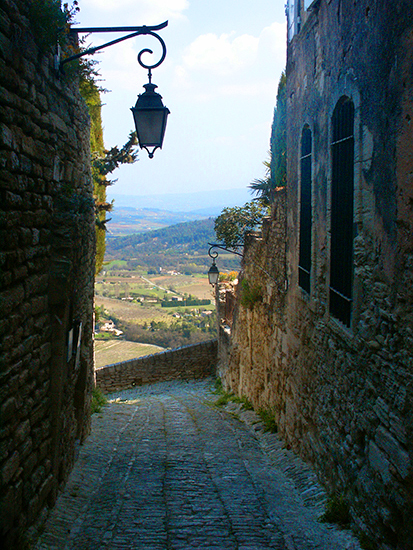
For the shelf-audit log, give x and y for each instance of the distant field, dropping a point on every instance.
(114, 351)
(110, 288)
(127, 311)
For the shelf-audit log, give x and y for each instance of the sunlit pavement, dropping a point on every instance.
(165, 470)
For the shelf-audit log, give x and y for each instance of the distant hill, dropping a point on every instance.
(188, 237)
(183, 244)
(126, 220)
(138, 213)
(207, 203)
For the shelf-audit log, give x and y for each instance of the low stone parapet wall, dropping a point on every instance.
(195, 361)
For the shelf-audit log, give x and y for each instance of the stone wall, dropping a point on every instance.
(195, 361)
(343, 395)
(46, 277)
(251, 353)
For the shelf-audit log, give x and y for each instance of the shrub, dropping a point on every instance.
(337, 510)
(231, 276)
(49, 21)
(226, 396)
(250, 294)
(98, 400)
(268, 420)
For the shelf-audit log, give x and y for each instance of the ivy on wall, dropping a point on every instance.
(276, 167)
(50, 21)
(103, 161)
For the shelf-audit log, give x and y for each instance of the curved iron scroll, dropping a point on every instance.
(147, 50)
(136, 31)
(214, 254)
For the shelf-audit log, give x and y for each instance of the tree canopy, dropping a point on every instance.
(232, 224)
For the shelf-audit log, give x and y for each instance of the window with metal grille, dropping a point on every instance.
(304, 261)
(342, 198)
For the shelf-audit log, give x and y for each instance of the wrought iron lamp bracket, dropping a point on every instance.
(214, 254)
(135, 31)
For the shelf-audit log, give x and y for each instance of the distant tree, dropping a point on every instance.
(276, 167)
(232, 224)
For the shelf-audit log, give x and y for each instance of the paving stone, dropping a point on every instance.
(163, 469)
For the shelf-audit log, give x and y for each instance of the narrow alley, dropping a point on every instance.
(165, 470)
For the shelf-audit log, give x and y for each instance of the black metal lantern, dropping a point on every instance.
(149, 113)
(150, 116)
(213, 274)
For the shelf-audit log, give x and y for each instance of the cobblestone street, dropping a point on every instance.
(165, 470)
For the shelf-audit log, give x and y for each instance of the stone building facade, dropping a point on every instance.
(46, 277)
(328, 344)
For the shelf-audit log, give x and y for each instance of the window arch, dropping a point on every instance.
(342, 211)
(304, 261)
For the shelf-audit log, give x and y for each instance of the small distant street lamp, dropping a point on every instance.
(149, 113)
(213, 273)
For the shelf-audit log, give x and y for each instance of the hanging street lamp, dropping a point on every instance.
(213, 273)
(149, 113)
(150, 117)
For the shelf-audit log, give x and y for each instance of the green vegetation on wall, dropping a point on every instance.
(276, 167)
(251, 294)
(91, 95)
(103, 161)
(49, 22)
(279, 137)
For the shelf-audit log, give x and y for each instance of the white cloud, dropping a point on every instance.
(221, 54)
(227, 54)
(273, 39)
(234, 66)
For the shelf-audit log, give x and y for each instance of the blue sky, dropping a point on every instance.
(219, 80)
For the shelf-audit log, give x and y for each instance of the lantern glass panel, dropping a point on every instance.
(213, 275)
(150, 126)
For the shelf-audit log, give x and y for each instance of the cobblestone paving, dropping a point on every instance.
(165, 470)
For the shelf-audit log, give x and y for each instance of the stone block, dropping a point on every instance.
(22, 432)
(24, 450)
(45, 353)
(379, 463)
(9, 467)
(38, 476)
(7, 410)
(395, 453)
(8, 509)
(10, 299)
(6, 137)
(4, 449)
(36, 284)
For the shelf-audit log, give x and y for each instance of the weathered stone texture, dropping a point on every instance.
(343, 397)
(46, 276)
(188, 362)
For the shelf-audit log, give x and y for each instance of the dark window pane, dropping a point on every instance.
(304, 262)
(342, 198)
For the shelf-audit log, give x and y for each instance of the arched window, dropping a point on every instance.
(342, 198)
(304, 262)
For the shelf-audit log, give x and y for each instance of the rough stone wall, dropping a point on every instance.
(46, 277)
(343, 397)
(196, 361)
(250, 354)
